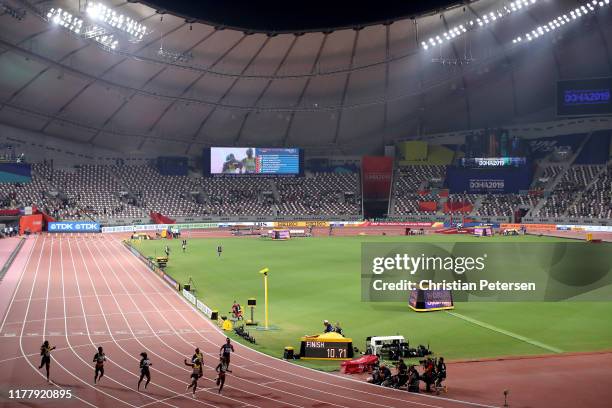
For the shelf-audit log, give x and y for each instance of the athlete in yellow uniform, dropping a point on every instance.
(196, 365)
(198, 356)
(45, 352)
(249, 163)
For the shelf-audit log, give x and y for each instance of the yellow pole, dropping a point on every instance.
(266, 299)
(264, 271)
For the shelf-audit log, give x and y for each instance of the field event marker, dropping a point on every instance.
(506, 332)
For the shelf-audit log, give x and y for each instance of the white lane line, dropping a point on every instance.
(87, 364)
(85, 296)
(76, 278)
(48, 284)
(86, 345)
(103, 274)
(505, 332)
(270, 382)
(20, 322)
(189, 344)
(136, 284)
(23, 328)
(344, 397)
(292, 373)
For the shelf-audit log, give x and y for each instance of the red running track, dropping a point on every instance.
(82, 292)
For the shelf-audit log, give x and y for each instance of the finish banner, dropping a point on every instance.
(73, 226)
(376, 172)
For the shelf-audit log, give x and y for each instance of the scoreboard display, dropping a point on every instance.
(584, 97)
(430, 300)
(15, 172)
(328, 346)
(487, 162)
(254, 161)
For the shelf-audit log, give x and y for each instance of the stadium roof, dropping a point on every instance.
(298, 16)
(347, 89)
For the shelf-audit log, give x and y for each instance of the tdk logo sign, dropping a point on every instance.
(67, 226)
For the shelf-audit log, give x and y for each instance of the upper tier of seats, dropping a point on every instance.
(575, 180)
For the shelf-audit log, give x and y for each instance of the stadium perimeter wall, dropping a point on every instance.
(407, 218)
(351, 228)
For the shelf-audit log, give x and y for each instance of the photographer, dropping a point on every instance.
(429, 374)
(402, 374)
(385, 375)
(413, 379)
(376, 377)
(441, 369)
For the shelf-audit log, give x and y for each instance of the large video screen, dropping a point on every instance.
(254, 160)
(584, 97)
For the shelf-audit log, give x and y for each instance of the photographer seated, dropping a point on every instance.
(413, 379)
(385, 375)
(441, 369)
(376, 377)
(402, 374)
(429, 374)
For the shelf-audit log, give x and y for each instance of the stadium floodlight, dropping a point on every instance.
(107, 40)
(7, 9)
(65, 19)
(481, 21)
(100, 13)
(562, 19)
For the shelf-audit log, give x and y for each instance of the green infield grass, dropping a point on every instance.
(312, 279)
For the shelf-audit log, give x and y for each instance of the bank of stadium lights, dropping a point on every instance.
(482, 21)
(70, 22)
(16, 13)
(561, 20)
(99, 12)
(107, 40)
(65, 19)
